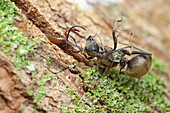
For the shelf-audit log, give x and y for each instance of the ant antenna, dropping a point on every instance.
(98, 36)
(96, 33)
(100, 41)
(130, 43)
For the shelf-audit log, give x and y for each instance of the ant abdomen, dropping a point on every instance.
(138, 66)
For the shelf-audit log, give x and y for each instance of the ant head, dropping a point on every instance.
(90, 38)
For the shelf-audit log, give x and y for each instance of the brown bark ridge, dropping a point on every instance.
(10, 93)
(39, 20)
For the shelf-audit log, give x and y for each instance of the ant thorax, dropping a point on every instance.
(116, 56)
(110, 59)
(106, 62)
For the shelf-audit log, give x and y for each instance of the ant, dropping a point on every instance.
(108, 57)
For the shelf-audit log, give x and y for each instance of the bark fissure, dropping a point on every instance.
(40, 21)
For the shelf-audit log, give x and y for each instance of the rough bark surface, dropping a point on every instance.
(38, 17)
(32, 13)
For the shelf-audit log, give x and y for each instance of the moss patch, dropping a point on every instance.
(11, 41)
(15, 45)
(120, 93)
(158, 65)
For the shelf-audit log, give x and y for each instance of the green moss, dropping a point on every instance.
(54, 83)
(30, 92)
(120, 93)
(12, 42)
(18, 47)
(70, 90)
(41, 89)
(48, 63)
(158, 65)
(64, 110)
(44, 80)
(39, 106)
(34, 111)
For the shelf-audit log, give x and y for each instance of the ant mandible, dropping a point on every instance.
(63, 40)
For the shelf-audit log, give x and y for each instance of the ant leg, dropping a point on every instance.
(114, 39)
(75, 45)
(71, 30)
(86, 56)
(141, 51)
(122, 65)
(80, 49)
(138, 48)
(100, 70)
(67, 35)
(113, 34)
(135, 52)
(74, 51)
(111, 51)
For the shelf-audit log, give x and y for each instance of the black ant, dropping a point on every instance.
(109, 58)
